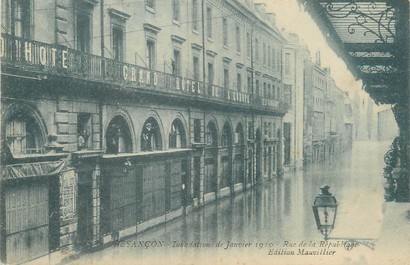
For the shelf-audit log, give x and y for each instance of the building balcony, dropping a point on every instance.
(56, 60)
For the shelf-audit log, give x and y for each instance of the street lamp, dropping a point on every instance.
(324, 209)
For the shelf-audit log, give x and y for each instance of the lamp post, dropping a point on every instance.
(325, 209)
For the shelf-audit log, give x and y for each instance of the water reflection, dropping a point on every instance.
(279, 210)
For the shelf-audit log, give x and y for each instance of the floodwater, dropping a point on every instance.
(273, 223)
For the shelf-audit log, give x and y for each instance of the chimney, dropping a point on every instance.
(272, 18)
(261, 7)
(293, 37)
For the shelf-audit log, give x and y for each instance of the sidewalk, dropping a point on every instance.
(393, 243)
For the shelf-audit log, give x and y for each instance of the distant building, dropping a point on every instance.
(365, 118)
(328, 115)
(387, 127)
(294, 55)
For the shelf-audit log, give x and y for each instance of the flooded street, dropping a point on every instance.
(266, 224)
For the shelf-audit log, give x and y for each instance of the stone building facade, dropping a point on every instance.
(387, 127)
(328, 124)
(121, 116)
(294, 56)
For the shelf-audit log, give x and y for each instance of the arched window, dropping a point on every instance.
(23, 134)
(226, 135)
(118, 136)
(211, 165)
(226, 157)
(151, 136)
(239, 137)
(239, 164)
(211, 135)
(177, 137)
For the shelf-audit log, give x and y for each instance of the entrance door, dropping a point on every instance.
(250, 166)
(27, 221)
(258, 156)
(286, 135)
(85, 213)
(197, 177)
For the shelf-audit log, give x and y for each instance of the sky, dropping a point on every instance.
(290, 15)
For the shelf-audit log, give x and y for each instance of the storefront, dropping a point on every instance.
(140, 187)
(31, 212)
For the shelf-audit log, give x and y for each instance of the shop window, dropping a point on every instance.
(177, 137)
(23, 135)
(151, 136)
(118, 136)
(84, 130)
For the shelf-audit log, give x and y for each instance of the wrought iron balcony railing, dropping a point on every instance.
(51, 59)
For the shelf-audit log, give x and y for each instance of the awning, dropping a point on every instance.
(372, 37)
(27, 170)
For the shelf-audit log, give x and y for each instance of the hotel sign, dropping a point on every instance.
(60, 60)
